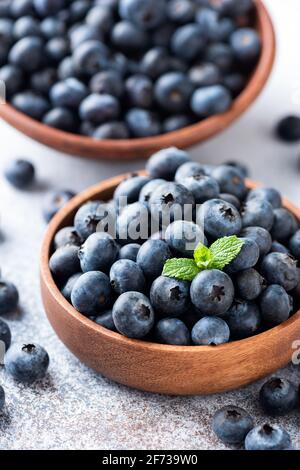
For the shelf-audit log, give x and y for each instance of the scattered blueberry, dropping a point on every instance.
(288, 129)
(5, 336)
(55, 201)
(278, 396)
(26, 363)
(20, 173)
(232, 424)
(9, 297)
(268, 437)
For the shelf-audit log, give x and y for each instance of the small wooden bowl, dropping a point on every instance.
(176, 370)
(137, 148)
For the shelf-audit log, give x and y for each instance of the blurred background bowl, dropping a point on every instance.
(131, 149)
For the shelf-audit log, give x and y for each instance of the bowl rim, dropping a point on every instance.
(58, 222)
(131, 148)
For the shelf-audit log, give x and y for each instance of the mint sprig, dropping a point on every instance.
(221, 253)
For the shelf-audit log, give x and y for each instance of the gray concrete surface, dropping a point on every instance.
(74, 408)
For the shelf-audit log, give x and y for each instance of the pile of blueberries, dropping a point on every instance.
(118, 282)
(235, 427)
(125, 68)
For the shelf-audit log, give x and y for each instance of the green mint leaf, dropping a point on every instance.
(224, 251)
(203, 257)
(184, 269)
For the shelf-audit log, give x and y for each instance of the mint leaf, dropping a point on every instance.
(184, 269)
(203, 256)
(224, 251)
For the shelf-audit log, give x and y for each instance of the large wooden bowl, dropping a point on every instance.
(143, 147)
(179, 370)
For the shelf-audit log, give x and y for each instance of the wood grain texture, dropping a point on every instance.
(175, 370)
(143, 147)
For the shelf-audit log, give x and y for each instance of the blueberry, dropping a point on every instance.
(230, 180)
(91, 293)
(130, 188)
(57, 49)
(99, 108)
(129, 251)
(13, 78)
(52, 27)
(204, 74)
(125, 276)
(155, 62)
(268, 437)
(30, 103)
(172, 331)
(68, 286)
(98, 252)
(243, 319)
(100, 17)
(166, 162)
(249, 284)
(280, 268)
(212, 292)
(171, 201)
(176, 122)
(221, 55)
(126, 35)
(288, 129)
(278, 396)
(61, 118)
(20, 173)
(55, 201)
(142, 123)
(64, 262)
(66, 69)
(243, 169)
(188, 41)
(191, 169)
(235, 82)
(207, 101)
(183, 237)
(277, 247)
(21, 7)
(220, 218)
(78, 9)
(148, 189)
(208, 20)
(48, 7)
(247, 257)
(42, 80)
(9, 297)
(180, 11)
(261, 236)
(269, 194)
(231, 199)
(27, 53)
(210, 331)
(26, 363)
(202, 187)
(133, 224)
(107, 82)
(133, 315)
(80, 34)
(145, 14)
(258, 213)
(231, 424)
(275, 305)
(151, 258)
(6, 31)
(2, 398)
(106, 320)
(26, 26)
(70, 92)
(294, 245)
(172, 91)
(170, 296)
(284, 224)
(246, 44)
(111, 130)
(90, 57)
(5, 336)
(139, 91)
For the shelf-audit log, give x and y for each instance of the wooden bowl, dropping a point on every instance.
(143, 147)
(176, 370)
